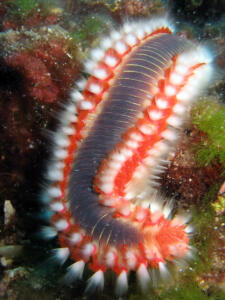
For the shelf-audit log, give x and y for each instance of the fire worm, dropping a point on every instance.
(114, 138)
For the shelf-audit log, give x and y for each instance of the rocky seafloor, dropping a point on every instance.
(42, 46)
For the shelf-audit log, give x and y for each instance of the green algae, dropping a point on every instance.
(90, 26)
(209, 117)
(23, 8)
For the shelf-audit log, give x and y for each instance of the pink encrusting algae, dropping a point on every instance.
(114, 138)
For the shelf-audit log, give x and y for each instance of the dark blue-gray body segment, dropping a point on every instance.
(132, 85)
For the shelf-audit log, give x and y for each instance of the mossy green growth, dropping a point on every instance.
(209, 116)
(188, 292)
(88, 28)
(22, 8)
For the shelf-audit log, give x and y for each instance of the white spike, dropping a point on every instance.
(174, 121)
(106, 43)
(75, 271)
(189, 229)
(155, 115)
(56, 206)
(143, 277)
(89, 66)
(48, 232)
(71, 108)
(61, 255)
(88, 250)
(131, 39)
(163, 271)
(81, 84)
(55, 175)
(97, 54)
(140, 33)
(115, 35)
(167, 209)
(86, 105)
(121, 283)
(170, 90)
(68, 130)
(95, 88)
(169, 135)
(54, 192)
(96, 281)
(76, 238)
(179, 109)
(131, 260)
(161, 103)
(76, 96)
(100, 73)
(61, 225)
(62, 140)
(120, 47)
(110, 258)
(111, 61)
(60, 153)
(176, 78)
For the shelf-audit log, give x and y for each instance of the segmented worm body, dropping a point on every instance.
(115, 135)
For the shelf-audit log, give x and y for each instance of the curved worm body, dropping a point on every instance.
(115, 134)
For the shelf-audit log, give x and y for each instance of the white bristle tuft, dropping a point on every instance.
(110, 259)
(86, 105)
(76, 96)
(55, 175)
(97, 54)
(75, 238)
(170, 90)
(156, 206)
(121, 283)
(131, 39)
(68, 130)
(61, 255)
(95, 88)
(174, 121)
(189, 229)
(71, 108)
(107, 187)
(75, 271)
(131, 260)
(60, 153)
(106, 43)
(140, 33)
(143, 277)
(111, 61)
(81, 84)
(179, 109)
(95, 282)
(89, 66)
(48, 232)
(100, 73)
(115, 35)
(127, 28)
(120, 47)
(163, 271)
(54, 192)
(57, 206)
(155, 115)
(88, 250)
(169, 135)
(61, 225)
(161, 103)
(167, 209)
(132, 144)
(62, 140)
(176, 79)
